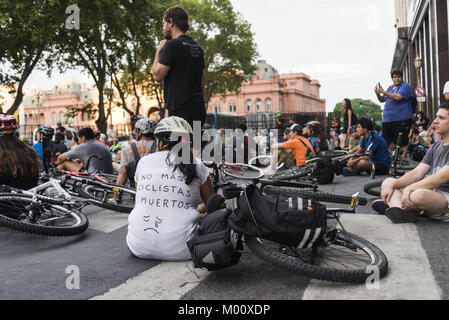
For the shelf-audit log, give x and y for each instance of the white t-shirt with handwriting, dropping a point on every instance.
(164, 214)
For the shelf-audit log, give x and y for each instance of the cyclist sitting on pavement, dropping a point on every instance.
(354, 141)
(403, 198)
(317, 139)
(169, 187)
(77, 158)
(144, 144)
(373, 143)
(45, 145)
(20, 164)
(297, 143)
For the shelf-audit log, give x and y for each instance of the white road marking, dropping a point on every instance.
(107, 221)
(166, 281)
(410, 276)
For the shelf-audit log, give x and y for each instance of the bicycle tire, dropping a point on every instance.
(269, 251)
(291, 174)
(249, 173)
(15, 204)
(373, 188)
(97, 193)
(313, 195)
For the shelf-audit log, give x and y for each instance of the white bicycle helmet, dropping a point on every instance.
(173, 124)
(146, 126)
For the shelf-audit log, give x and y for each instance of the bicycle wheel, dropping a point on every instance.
(263, 161)
(241, 171)
(373, 188)
(313, 195)
(340, 257)
(53, 220)
(104, 197)
(293, 173)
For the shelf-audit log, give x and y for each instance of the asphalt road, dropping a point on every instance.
(36, 267)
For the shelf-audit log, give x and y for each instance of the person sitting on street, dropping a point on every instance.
(170, 186)
(145, 144)
(77, 158)
(297, 143)
(316, 137)
(373, 143)
(354, 141)
(334, 140)
(20, 164)
(416, 191)
(286, 156)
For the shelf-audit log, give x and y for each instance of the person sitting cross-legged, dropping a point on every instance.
(78, 158)
(373, 143)
(404, 198)
(297, 143)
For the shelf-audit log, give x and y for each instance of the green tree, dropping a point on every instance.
(27, 33)
(93, 45)
(369, 109)
(229, 47)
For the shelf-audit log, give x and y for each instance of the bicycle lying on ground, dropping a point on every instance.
(336, 254)
(47, 210)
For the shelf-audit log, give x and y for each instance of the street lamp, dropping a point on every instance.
(418, 66)
(38, 96)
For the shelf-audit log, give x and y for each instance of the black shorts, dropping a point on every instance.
(391, 130)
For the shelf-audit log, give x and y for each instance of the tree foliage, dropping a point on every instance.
(369, 110)
(27, 32)
(229, 46)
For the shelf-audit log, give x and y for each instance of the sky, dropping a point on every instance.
(347, 45)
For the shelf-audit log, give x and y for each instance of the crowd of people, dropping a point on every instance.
(171, 193)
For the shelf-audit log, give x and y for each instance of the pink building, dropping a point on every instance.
(271, 92)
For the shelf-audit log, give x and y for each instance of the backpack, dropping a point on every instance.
(324, 171)
(132, 165)
(418, 153)
(291, 221)
(210, 243)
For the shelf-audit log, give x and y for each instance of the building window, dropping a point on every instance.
(292, 86)
(308, 108)
(230, 108)
(53, 117)
(235, 108)
(258, 105)
(281, 106)
(249, 106)
(268, 105)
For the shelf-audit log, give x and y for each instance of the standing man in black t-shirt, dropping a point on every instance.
(180, 63)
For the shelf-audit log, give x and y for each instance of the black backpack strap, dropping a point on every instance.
(135, 152)
(313, 151)
(153, 147)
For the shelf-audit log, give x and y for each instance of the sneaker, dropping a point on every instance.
(398, 215)
(347, 172)
(379, 206)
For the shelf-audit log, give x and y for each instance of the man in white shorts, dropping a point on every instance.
(425, 189)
